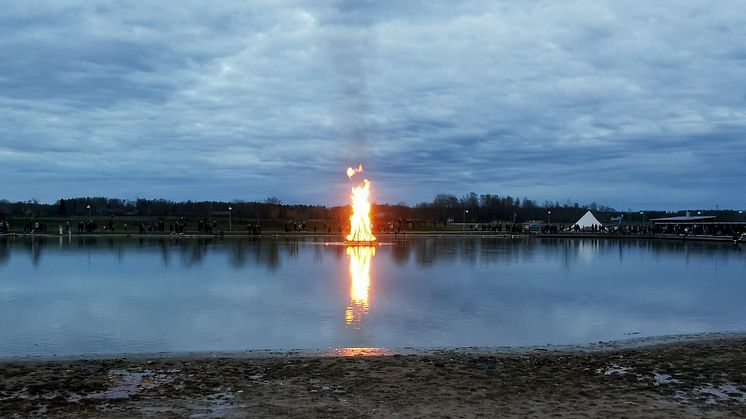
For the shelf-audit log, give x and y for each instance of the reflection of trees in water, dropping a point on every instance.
(318, 253)
(35, 245)
(470, 250)
(400, 252)
(86, 241)
(193, 251)
(292, 247)
(430, 250)
(261, 252)
(4, 250)
(489, 251)
(427, 252)
(254, 249)
(571, 249)
(339, 252)
(241, 251)
(165, 252)
(238, 253)
(269, 252)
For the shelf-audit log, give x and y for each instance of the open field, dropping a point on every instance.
(679, 378)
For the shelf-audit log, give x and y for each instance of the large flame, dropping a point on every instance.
(360, 226)
(360, 257)
(351, 171)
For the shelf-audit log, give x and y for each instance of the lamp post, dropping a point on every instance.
(88, 207)
(740, 212)
(642, 215)
(549, 217)
(230, 221)
(464, 223)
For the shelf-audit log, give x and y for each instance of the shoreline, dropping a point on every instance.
(589, 347)
(390, 236)
(674, 376)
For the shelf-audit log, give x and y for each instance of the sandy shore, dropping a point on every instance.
(684, 378)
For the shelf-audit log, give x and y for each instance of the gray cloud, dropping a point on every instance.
(625, 103)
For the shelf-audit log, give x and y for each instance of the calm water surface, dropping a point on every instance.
(106, 295)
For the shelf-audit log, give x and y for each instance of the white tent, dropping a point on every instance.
(588, 220)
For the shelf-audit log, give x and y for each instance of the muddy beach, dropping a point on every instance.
(690, 378)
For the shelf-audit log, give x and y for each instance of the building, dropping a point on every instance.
(697, 224)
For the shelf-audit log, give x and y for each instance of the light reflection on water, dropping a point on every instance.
(360, 258)
(84, 295)
(359, 352)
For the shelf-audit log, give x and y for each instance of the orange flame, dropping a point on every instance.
(351, 172)
(360, 225)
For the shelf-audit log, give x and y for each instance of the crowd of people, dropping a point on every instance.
(597, 229)
(34, 227)
(206, 226)
(88, 226)
(212, 227)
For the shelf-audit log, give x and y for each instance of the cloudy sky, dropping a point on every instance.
(632, 104)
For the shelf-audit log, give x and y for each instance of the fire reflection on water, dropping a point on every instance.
(359, 352)
(360, 257)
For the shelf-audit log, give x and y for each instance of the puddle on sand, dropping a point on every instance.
(123, 383)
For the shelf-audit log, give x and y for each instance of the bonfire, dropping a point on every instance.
(360, 225)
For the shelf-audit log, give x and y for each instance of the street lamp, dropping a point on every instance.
(642, 214)
(464, 223)
(549, 217)
(89, 211)
(230, 221)
(740, 212)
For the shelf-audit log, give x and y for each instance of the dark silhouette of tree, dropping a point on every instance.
(486, 208)
(62, 208)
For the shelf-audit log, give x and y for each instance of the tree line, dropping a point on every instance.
(443, 209)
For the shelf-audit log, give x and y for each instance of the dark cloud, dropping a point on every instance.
(630, 104)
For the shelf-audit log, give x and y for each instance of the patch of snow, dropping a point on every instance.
(660, 378)
(714, 394)
(721, 393)
(614, 370)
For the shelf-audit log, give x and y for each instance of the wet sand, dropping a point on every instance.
(683, 378)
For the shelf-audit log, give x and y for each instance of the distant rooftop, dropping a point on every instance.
(686, 218)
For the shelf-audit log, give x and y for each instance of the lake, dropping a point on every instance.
(105, 295)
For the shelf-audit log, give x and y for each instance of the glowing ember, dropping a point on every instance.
(360, 226)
